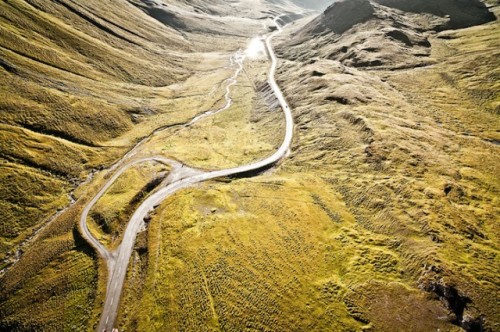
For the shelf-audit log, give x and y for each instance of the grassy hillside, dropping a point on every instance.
(110, 215)
(71, 79)
(76, 79)
(412, 150)
(384, 217)
(82, 82)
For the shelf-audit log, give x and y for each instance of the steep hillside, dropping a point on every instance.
(71, 78)
(77, 80)
(460, 13)
(341, 16)
(403, 123)
(82, 83)
(381, 36)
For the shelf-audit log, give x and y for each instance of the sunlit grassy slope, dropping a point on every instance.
(81, 83)
(384, 218)
(75, 79)
(110, 215)
(71, 80)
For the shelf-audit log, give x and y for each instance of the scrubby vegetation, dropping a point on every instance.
(243, 133)
(80, 86)
(268, 255)
(412, 152)
(34, 197)
(53, 286)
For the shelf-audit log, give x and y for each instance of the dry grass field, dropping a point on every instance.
(110, 215)
(413, 153)
(75, 81)
(243, 133)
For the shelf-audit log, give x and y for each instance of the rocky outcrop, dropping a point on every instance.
(390, 34)
(462, 311)
(461, 13)
(341, 16)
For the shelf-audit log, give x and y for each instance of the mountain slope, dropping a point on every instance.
(461, 13)
(81, 83)
(64, 71)
(383, 217)
(403, 122)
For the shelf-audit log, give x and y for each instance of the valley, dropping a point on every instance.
(249, 166)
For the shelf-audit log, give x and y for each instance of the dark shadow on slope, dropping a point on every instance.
(81, 244)
(341, 16)
(166, 18)
(462, 13)
(253, 173)
(7, 66)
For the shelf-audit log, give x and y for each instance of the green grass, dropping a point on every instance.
(60, 297)
(54, 284)
(416, 163)
(229, 257)
(379, 199)
(28, 203)
(110, 215)
(264, 254)
(77, 92)
(236, 136)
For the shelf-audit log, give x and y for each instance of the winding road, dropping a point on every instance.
(179, 178)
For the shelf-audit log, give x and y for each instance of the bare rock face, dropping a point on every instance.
(461, 13)
(342, 15)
